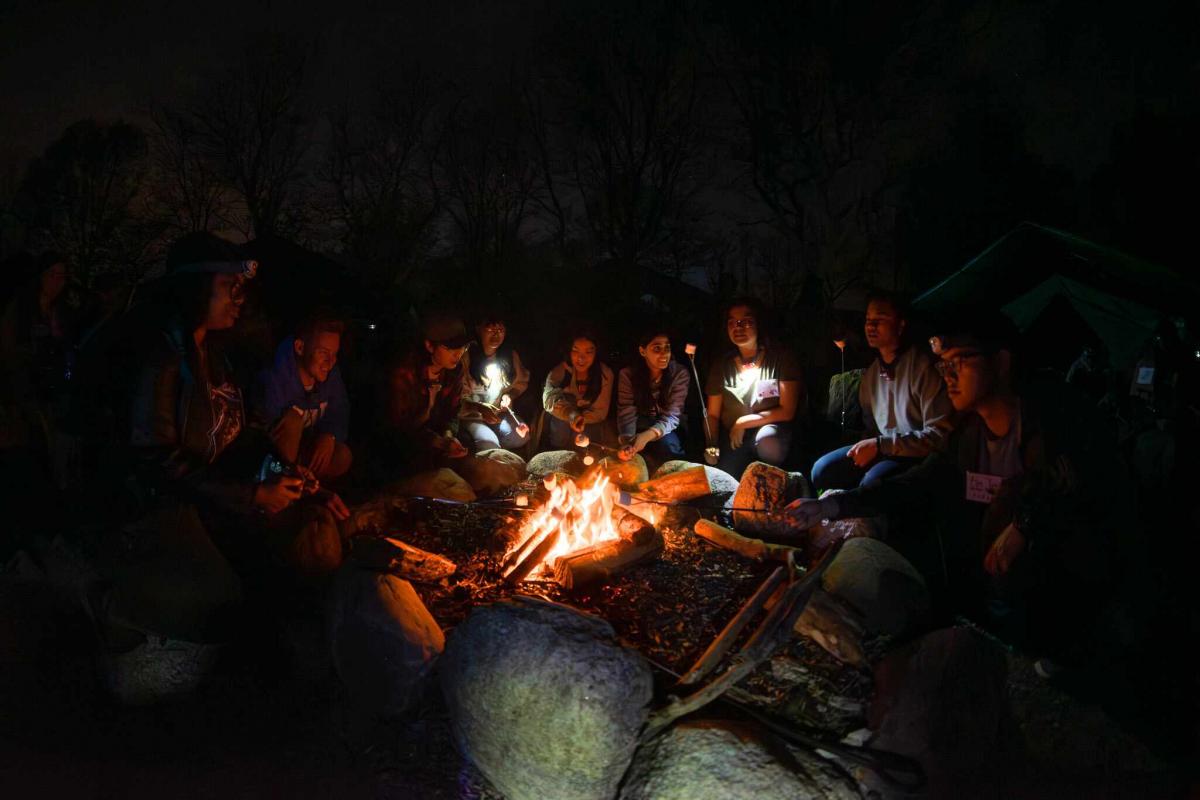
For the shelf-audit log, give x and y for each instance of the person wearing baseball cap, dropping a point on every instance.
(422, 398)
(1026, 497)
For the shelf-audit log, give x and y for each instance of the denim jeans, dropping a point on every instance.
(482, 436)
(836, 470)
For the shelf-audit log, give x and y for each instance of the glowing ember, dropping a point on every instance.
(572, 518)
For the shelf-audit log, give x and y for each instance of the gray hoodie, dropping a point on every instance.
(909, 411)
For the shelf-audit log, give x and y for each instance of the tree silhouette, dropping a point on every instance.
(79, 197)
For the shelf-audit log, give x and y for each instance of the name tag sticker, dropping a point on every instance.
(765, 390)
(982, 488)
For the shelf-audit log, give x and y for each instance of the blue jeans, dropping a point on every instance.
(770, 443)
(481, 436)
(836, 470)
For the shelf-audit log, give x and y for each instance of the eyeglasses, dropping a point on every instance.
(952, 366)
(744, 322)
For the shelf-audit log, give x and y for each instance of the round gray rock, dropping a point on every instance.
(543, 700)
(490, 472)
(880, 584)
(731, 761)
(556, 461)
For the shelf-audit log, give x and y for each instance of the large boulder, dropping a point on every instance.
(942, 701)
(551, 462)
(383, 639)
(766, 488)
(880, 584)
(731, 761)
(543, 700)
(443, 483)
(490, 472)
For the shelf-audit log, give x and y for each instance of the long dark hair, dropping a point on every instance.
(595, 374)
(639, 374)
(757, 309)
(503, 354)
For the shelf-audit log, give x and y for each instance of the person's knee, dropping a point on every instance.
(316, 548)
(287, 433)
(339, 463)
(771, 449)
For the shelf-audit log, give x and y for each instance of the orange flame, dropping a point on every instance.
(582, 516)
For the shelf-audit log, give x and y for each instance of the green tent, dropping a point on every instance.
(1048, 280)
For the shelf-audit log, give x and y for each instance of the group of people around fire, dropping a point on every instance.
(997, 488)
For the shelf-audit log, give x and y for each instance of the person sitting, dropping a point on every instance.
(1027, 497)
(214, 506)
(753, 393)
(422, 397)
(650, 399)
(302, 400)
(494, 372)
(577, 395)
(904, 405)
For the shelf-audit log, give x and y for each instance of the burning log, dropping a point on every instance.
(601, 562)
(676, 487)
(756, 549)
(521, 567)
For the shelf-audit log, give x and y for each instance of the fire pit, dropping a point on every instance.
(578, 536)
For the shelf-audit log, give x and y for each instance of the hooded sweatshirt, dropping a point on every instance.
(326, 407)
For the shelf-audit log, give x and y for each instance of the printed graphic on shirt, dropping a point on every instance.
(228, 417)
(312, 415)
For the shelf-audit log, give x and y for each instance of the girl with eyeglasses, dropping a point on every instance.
(494, 371)
(650, 398)
(577, 394)
(753, 393)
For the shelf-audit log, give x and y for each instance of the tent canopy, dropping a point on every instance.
(1034, 269)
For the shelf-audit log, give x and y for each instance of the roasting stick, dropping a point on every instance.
(506, 406)
(711, 657)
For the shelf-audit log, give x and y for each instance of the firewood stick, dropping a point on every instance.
(766, 639)
(732, 540)
(716, 651)
(522, 570)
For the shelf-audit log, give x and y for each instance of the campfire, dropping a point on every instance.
(579, 535)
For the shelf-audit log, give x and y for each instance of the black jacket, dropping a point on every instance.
(1072, 501)
(188, 427)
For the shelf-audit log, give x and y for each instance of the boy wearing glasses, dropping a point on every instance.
(1026, 496)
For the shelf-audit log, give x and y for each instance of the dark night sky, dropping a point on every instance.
(69, 59)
